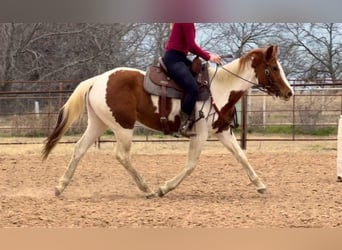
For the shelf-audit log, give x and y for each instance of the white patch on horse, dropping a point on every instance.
(176, 106)
(175, 109)
(155, 100)
(225, 82)
(283, 76)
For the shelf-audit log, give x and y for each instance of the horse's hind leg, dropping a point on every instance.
(122, 153)
(94, 129)
(230, 142)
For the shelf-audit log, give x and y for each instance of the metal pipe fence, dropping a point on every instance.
(29, 109)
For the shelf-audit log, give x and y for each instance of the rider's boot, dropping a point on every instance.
(184, 128)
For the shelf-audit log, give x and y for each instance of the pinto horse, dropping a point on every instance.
(116, 99)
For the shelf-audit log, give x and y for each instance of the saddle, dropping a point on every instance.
(158, 82)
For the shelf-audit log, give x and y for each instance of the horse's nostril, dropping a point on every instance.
(289, 94)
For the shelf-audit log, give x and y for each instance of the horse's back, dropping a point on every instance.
(114, 83)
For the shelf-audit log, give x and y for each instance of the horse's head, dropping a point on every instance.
(269, 73)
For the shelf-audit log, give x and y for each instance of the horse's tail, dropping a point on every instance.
(71, 111)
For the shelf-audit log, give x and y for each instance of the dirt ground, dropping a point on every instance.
(300, 176)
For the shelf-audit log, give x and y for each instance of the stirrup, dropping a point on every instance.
(184, 131)
(185, 125)
(187, 133)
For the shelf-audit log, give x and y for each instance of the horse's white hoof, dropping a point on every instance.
(151, 195)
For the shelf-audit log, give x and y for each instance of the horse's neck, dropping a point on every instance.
(225, 83)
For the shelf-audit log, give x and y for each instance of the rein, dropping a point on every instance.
(266, 89)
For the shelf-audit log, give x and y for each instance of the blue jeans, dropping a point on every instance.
(178, 67)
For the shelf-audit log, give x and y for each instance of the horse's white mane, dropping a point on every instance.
(236, 66)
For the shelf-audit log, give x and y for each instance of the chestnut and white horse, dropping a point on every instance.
(116, 99)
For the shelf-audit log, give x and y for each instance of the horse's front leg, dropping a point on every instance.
(195, 148)
(229, 141)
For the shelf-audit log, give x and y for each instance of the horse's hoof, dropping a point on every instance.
(262, 190)
(151, 195)
(160, 192)
(339, 179)
(57, 192)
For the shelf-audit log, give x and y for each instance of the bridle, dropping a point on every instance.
(266, 88)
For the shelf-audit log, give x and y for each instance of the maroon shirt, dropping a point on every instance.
(182, 38)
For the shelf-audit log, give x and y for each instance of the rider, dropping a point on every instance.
(181, 41)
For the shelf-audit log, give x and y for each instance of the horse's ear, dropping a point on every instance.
(271, 52)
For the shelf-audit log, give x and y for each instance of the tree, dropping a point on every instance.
(63, 51)
(236, 38)
(58, 51)
(158, 34)
(318, 49)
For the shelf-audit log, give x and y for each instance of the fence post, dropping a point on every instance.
(264, 115)
(243, 142)
(293, 117)
(60, 100)
(36, 108)
(339, 150)
(49, 108)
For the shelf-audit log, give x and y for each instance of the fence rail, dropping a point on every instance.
(29, 109)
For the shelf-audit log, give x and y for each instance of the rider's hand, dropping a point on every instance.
(215, 59)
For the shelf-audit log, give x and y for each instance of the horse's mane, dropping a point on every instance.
(249, 56)
(238, 64)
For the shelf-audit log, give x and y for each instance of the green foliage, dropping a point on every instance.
(325, 131)
(289, 129)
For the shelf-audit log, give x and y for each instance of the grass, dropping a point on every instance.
(325, 131)
(289, 129)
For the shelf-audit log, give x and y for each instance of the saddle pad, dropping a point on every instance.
(155, 78)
